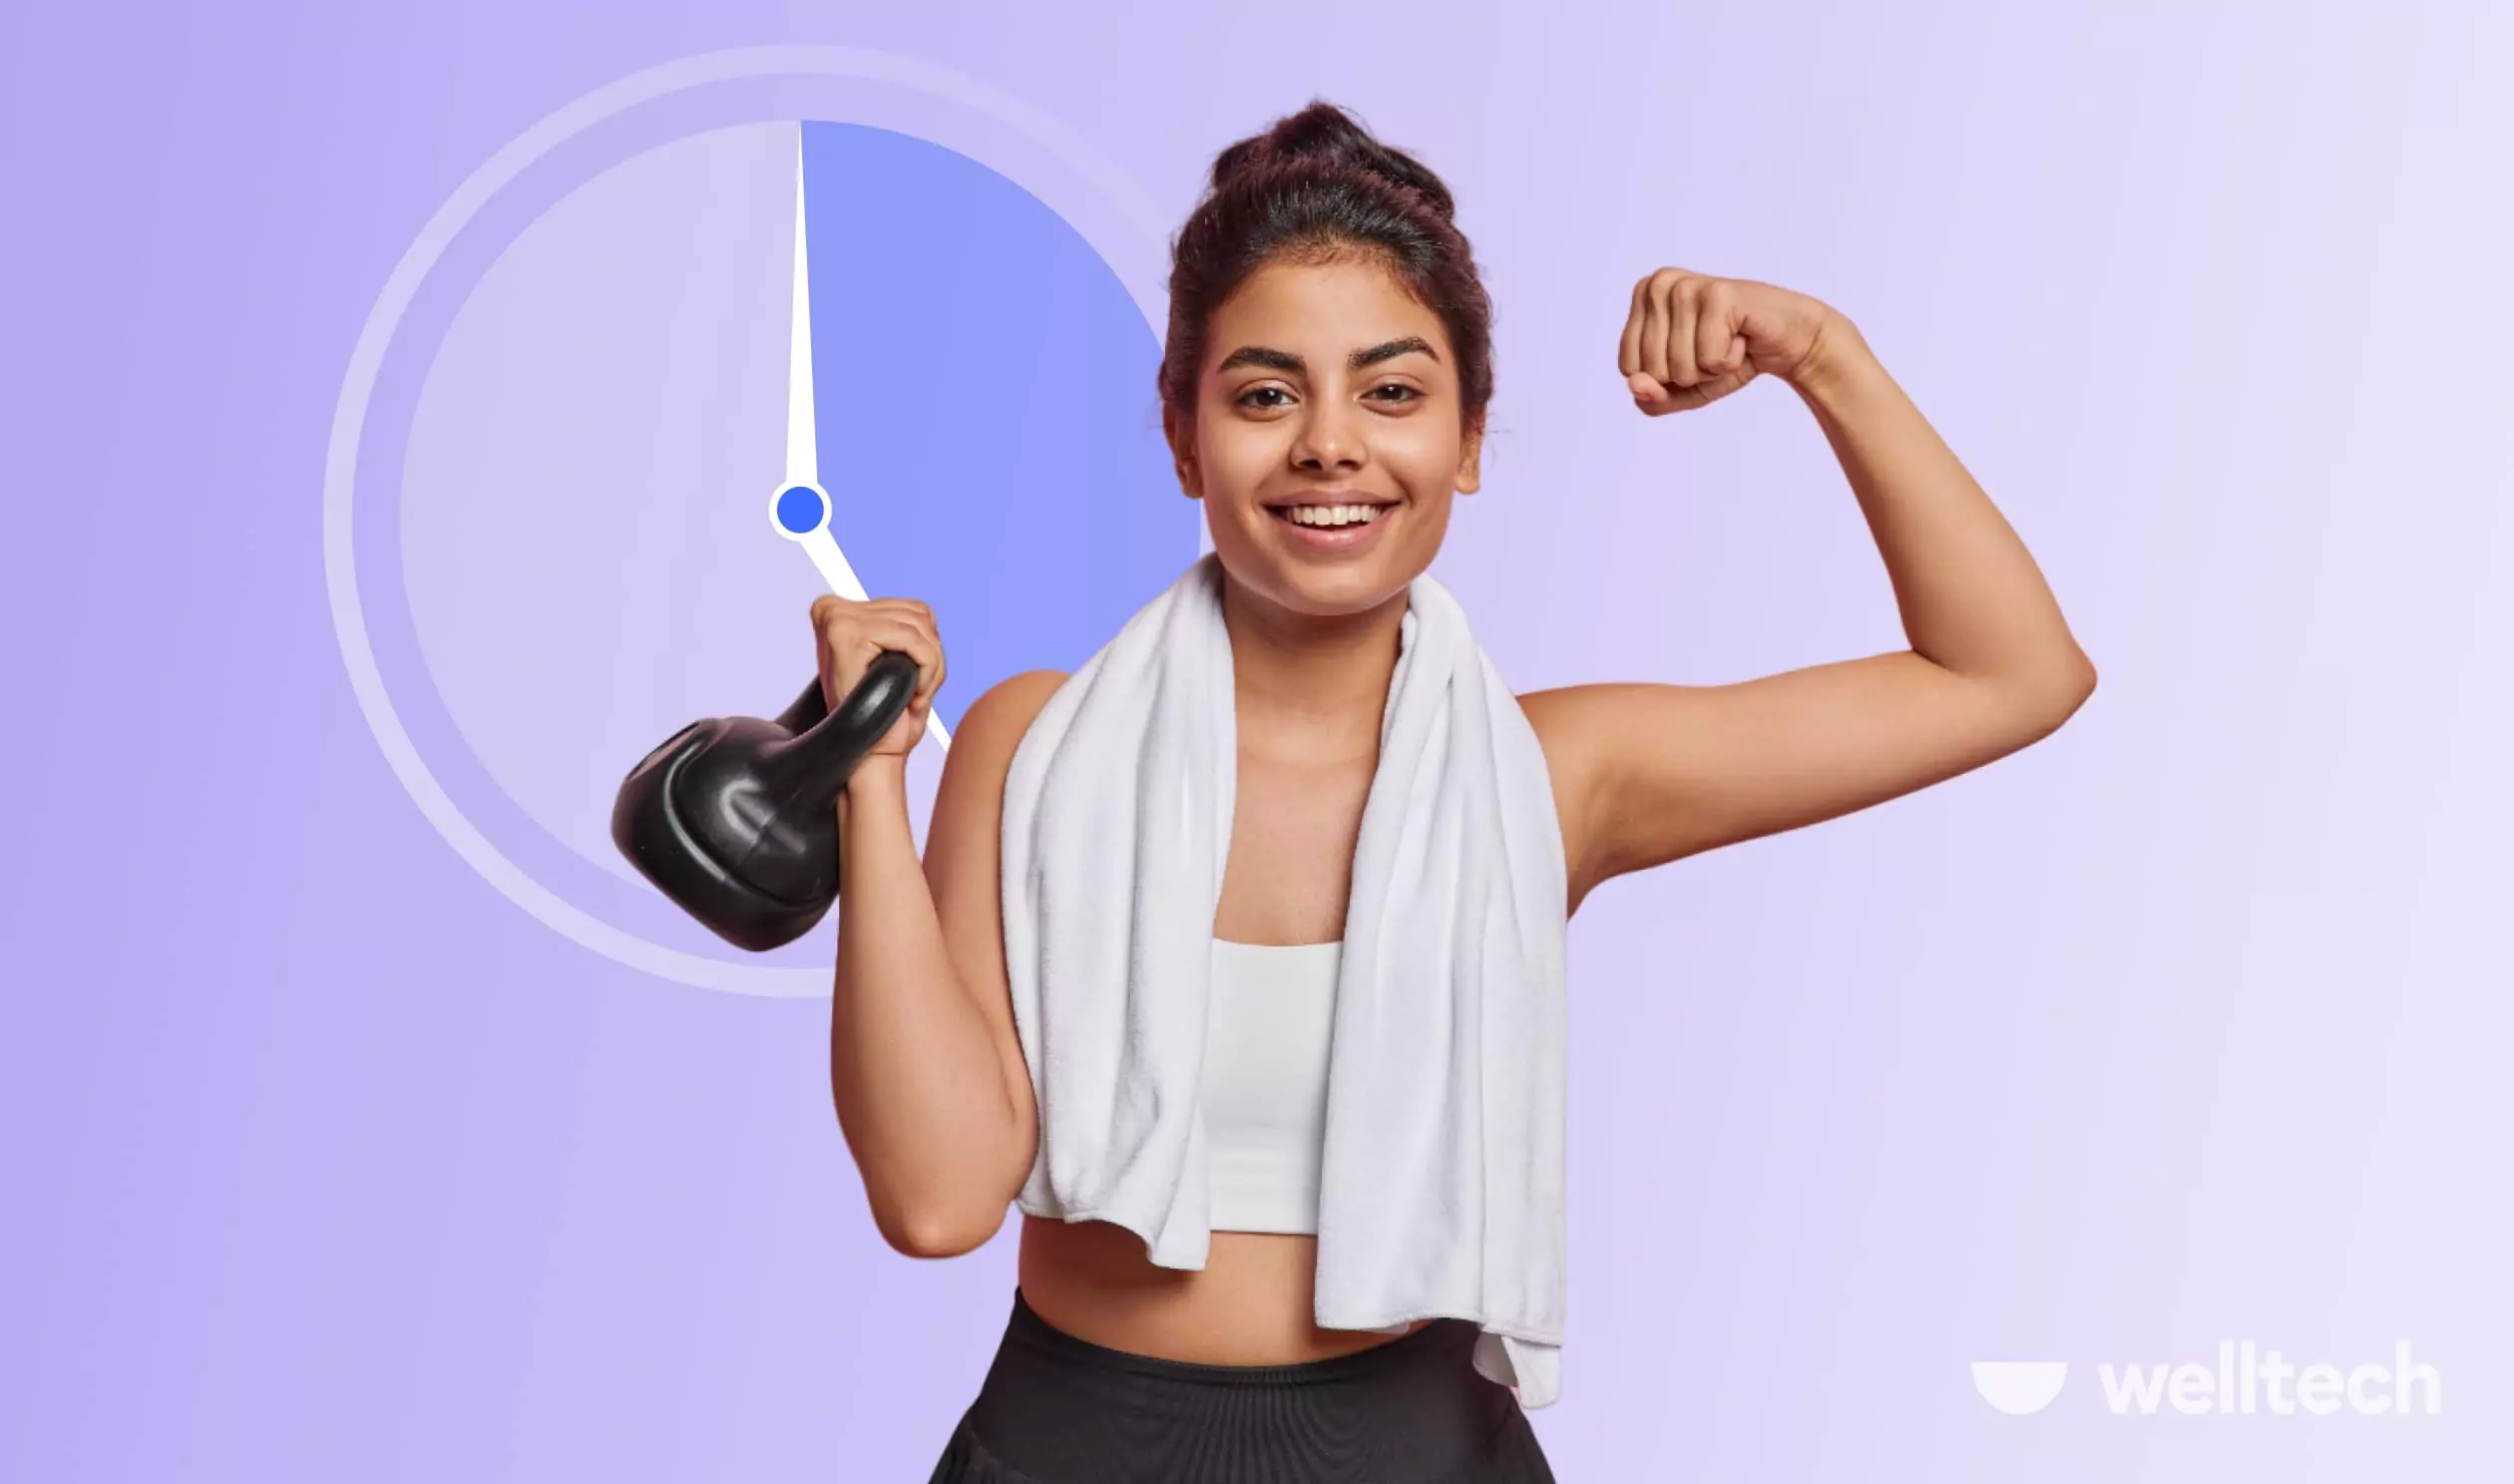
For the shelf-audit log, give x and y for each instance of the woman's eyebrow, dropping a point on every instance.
(1284, 360)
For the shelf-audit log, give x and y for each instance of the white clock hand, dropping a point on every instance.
(802, 439)
(800, 507)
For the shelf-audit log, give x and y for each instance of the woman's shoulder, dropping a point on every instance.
(991, 730)
(1003, 713)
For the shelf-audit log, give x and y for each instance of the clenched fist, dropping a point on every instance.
(1692, 339)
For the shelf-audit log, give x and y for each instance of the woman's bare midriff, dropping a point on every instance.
(1250, 1305)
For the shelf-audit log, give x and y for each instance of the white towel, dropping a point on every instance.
(1441, 1189)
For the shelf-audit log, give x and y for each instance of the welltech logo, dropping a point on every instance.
(2244, 1383)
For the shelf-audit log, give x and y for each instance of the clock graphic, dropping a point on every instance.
(713, 340)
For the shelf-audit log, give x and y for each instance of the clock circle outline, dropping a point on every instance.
(1131, 246)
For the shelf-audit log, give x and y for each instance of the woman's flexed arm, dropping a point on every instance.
(925, 1067)
(1654, 772)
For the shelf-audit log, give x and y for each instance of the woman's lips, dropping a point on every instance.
(1340, 539)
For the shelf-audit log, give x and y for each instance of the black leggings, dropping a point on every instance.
(1058, 1409)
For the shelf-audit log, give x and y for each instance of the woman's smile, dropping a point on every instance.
(1333, 528)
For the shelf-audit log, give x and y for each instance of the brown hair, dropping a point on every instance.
(1316, 188)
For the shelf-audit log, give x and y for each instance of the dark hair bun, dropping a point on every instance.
(1326, 139)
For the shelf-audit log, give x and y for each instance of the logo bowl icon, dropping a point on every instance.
(2019, 1387)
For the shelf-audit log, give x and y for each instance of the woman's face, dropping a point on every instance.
(1324, 386)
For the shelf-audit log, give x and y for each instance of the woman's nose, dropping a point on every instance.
(1328, 437)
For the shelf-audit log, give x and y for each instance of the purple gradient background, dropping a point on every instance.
(324, 1162)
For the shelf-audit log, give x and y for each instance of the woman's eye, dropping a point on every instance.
(1264, 396)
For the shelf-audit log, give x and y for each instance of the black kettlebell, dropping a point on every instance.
(736, 818)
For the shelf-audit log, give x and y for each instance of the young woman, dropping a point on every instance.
(1329, 348)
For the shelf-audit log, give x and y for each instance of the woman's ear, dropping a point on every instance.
(1182, 444)
(1470, 459)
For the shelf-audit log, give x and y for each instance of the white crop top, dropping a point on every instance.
(1264, 1089)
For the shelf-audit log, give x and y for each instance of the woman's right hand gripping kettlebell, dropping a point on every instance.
(849, 634)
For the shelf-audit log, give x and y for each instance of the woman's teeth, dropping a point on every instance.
(1330, 515)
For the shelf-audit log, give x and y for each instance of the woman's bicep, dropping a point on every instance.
(1666, 771)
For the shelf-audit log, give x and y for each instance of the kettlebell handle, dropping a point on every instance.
(829, 744)
(808, 709)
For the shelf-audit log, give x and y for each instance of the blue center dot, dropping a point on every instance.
(800, 509)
